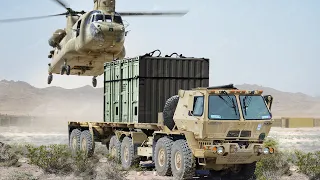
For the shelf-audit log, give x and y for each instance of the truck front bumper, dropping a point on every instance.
(232, 153)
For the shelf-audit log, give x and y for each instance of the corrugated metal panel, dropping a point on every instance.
(136, 89)
(155, 92)
(174, 67)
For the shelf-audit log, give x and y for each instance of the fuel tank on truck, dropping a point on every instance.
(56, 38)
(136, 89)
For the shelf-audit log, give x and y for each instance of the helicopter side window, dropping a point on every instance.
(108, 18)
(117, 19)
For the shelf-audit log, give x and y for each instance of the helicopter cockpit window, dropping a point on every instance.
(108, 18)
(98, 18)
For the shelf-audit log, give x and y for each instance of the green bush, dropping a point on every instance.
(308, 163)
(52, 159)
(58, 159)
(274, 166)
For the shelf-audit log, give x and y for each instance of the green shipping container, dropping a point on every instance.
(136, 89)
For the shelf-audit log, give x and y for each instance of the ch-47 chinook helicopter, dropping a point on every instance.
(89, 40)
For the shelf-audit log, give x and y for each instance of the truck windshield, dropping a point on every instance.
(223, 107)
(254, 108)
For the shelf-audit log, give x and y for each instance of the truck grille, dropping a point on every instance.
(243, 133)
(205, 143)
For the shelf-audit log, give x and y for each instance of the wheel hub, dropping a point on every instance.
(74, 143)
(126, 154)
(84, 145)
(161, 157)
(113, 151)
(177, 160)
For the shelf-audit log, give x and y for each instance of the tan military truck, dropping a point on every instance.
(215, 128)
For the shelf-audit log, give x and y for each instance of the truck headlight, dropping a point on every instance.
(220, 150)
(271, 150)
(266, 151)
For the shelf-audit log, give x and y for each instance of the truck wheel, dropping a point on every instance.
(115, 148)
(162, 156)
(74, 143)
(168, 111)
(182, 160)
(128, 153)
(87, 145)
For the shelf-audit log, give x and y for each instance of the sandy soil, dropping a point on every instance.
(306, 139)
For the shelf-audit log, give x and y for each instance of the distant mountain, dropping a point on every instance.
(86, 103)
(22, 98)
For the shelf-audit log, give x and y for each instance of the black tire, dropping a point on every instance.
(68, 70)
(62, 70)
(247, 171)
(168, 111)
(187, 160)
(115, 148)
(50, 77)
(131, 150)
(86, 143)
(94, 82)
(164, 145)
(74, 142)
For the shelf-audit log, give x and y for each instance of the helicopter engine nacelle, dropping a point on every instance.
(56, 38)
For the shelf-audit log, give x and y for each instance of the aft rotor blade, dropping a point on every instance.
(29, 18)
(153, 13)
(62, 4)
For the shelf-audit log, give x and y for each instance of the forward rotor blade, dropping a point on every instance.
(62, 4)
(29, 18)
(153, 13)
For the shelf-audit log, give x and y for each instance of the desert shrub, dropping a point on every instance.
(85, 166)
(308, 163)
(52, 159)
(274, 166)
(20, 149)
(8, 156)
(111, 170)
(58, 159)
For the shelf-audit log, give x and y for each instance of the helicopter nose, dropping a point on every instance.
(108, 32)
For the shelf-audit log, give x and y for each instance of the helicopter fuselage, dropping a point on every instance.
(95, 38)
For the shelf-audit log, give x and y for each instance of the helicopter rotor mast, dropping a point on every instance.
(105, 5)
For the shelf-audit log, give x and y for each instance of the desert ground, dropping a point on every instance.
(306, 139)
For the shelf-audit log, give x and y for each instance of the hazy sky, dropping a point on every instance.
(273, 43)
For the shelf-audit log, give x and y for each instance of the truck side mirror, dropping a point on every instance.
(269, 100)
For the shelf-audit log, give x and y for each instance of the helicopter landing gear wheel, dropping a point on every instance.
(65, 69)
(94, 81)
(68, 69)
(50, 78)
(62, 70)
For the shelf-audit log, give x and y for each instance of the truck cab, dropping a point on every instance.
(224, 127)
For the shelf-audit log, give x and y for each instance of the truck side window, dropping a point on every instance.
(198, 106)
